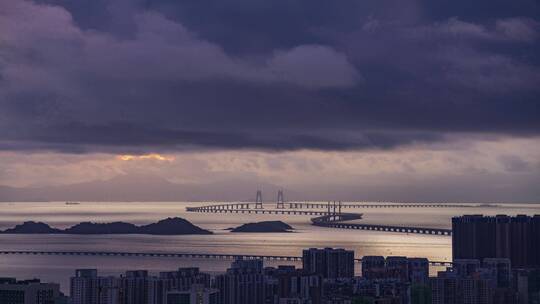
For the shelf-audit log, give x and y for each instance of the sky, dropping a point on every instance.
(357, 99)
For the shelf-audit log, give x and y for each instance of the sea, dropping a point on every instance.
(61, 215)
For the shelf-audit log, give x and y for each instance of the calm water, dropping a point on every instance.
(58, 214)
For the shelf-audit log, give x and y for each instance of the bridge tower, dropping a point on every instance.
(258, 200)
(280, 200)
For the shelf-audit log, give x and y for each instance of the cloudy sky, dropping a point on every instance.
(373, 98)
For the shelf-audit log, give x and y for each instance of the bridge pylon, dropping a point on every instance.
(258, 200)
(280, 200)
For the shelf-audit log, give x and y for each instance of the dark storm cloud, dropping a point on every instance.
(120, 75)
(77, 138)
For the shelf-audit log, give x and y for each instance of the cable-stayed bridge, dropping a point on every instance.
(328, 214)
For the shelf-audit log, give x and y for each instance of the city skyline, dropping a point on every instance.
(327, 276)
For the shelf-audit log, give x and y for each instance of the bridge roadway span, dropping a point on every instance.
(337, 221)
(257, 211)
(218, 256)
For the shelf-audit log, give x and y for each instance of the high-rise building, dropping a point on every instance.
(465, 267)
(86, 287)
(418, 271)
(373, 267)
(196, 294)
(470, 281)
(243, 283)
(179, 280)
(397, 268)
(526, 282)
(135, 286)
(293, 284)
(381, 290)
(500, 270)
(403, 269)
(479, 237)
(450, 288)
(329, 263)
(28, 292)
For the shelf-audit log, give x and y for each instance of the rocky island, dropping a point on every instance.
(266, 226)
(169, 226)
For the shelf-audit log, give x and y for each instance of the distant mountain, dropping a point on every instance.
(106, 228)
(172, 226)
(144, 188)
(169, 226)
(266, 226)
(32, 228)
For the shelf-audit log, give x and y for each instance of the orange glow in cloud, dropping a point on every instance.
(151, 156)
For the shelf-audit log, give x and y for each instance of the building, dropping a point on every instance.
(179, 280)
(243, 283)
(418, 271)
(86, 287)
(450, 288)
(465, 267)
(526, 282)
(288, 284)
(381, 291)
(499, 270)
(28, 292)
(196, 294)
(373, 267)
(329, 263)
(399, 268)
(479, 237)
(135, 287)
(470, 281)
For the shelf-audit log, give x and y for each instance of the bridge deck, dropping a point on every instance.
(338, 221)
(298, 205)
(258, 211)
(176, 255)
(385, 228)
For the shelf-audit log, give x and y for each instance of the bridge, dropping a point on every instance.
(331, 215)
(231, 208)
(323, 221)
(216, 256)
(337, 221)
(239, 207)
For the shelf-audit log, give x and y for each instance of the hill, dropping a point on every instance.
(169, 226)
(266, 226)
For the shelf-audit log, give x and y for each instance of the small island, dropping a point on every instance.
(266, 226)
(169, 226)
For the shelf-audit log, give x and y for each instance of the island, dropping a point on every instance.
(169, 226)
(266, 226)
